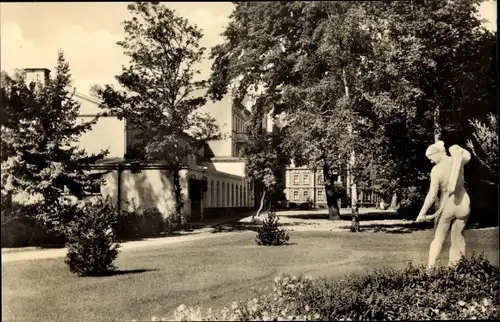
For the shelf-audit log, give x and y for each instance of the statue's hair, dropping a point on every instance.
(437, 147)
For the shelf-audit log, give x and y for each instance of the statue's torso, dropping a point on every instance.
(444, 171)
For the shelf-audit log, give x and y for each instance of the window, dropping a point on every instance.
(306, 178)
(217, 200)
(236, 203)
(93, 190)
(305, 195)
(296, 195)
(295, 178)
(320, 195)
(223, 201)
(232, 194)
(320, 179)
(212, 193)
(228, 195)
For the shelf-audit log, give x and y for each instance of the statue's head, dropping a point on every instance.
(436, 152)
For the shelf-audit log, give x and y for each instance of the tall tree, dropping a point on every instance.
(302, 58)
(431, 70)
(40, 154)
(484, 146)
(380, 79)
(162, 90)
(266, 160)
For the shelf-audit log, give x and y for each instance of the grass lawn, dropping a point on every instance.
(211, 272)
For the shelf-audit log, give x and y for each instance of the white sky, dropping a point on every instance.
(31, 34)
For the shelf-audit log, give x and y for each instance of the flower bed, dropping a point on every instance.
(468, 291)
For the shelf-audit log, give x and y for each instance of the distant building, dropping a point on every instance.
(304, 184)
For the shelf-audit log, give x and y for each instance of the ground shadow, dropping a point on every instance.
(221, 219)
(248, 226)
(123, 272)
(392, 228)
(234, 227)
(185, 232)
(48, 246)
(382, 215)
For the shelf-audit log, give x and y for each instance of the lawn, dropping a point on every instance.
(211, 272)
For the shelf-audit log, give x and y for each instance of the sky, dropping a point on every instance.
(32, 33)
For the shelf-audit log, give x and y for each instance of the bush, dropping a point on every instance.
(140, 223)
(412, 199)
(91, 247)
(339, 190)
(21, 228)
(270, 234)
(305, 206)
(468, 291)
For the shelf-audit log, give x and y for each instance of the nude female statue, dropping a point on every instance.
(447, 176)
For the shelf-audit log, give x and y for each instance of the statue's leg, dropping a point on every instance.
(457, 247)
(439, 236)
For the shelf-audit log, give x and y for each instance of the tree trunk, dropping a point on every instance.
(394, 201)
(178, 198)
(257, 214)
(352, 161)
(437, 126)
(333, 209)
(331, 198)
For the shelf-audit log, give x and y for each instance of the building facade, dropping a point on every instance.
(304, 185)
(212, 180)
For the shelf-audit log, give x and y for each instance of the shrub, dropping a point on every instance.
(412, 199)
(91, 247)
(468, 291)
(21, 228)
(269, 234)
(140, 223)
(305, 206)
(339, 190)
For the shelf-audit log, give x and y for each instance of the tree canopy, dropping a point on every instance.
(162, 91)
(370, 82)
(40, 132)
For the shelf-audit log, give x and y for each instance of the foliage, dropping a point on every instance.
(40, 157)
(398, 74)
(142, 223)
(467, 291)
(282, 53)
(431, 69)
(270, 234)
(21, 228)
(485, 146)
(266, 161)
(162, 93)
(91, 247)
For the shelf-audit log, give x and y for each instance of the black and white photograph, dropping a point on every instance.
(249, 161)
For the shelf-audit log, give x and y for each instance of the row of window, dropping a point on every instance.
(320, 195)
(238, 124)
(305, 178)
(228, 195)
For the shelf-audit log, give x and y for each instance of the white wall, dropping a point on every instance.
(107, 133)
(236, 168)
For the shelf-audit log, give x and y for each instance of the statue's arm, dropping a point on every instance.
(456, 150)
(431, 195)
